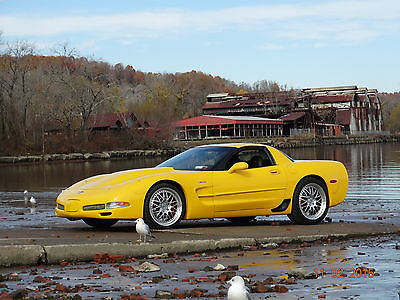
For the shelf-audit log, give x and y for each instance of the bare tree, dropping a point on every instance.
(17, 90)
(65, 50)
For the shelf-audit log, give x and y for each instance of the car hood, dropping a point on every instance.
(113, 180)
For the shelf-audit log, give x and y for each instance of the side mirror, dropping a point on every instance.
(238, 167)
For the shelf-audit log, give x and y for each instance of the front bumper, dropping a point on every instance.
(77, 209)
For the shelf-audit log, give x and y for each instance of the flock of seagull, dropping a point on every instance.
(237, 291)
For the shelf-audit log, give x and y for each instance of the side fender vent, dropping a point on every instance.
(282, 207)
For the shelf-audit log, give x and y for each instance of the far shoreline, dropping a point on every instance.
(176, 147)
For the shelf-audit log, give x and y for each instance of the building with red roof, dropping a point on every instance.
(203, 127)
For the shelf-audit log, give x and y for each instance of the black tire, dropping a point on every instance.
(310, 202)
(100, 223)
(164, 206)
(240, 220)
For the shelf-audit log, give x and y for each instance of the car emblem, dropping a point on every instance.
(81, 192)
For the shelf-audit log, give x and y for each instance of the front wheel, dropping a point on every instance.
(164, 206)
(100, 223)
(310, 202)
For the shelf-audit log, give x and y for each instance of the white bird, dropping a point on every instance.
(238, 290)
(32, 201)
(143, 230)
(26, 196)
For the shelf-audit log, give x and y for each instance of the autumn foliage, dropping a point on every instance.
(46, 101)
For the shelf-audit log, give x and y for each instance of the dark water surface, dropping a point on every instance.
(374, 182)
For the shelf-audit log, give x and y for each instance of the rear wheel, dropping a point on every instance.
(310, 202)
(100, 223)
(164, 206)
(241, 220)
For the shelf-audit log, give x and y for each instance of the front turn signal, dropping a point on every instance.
(112, 205)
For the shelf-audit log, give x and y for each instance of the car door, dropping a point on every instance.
(257, 188)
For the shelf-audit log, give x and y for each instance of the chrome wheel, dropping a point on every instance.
(165, 206)
(312, 201)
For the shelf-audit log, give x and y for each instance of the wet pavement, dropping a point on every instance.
(354, 269)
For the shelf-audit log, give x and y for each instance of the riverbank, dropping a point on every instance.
(179, 146)
(122, 154)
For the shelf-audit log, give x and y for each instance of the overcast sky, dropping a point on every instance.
(298, 43)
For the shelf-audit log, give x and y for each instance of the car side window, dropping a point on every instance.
(255, 158)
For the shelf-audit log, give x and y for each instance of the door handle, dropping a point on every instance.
(274, 171)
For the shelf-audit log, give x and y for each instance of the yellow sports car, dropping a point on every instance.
(233, 181)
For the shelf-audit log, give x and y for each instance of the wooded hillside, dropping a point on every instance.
(41, 94)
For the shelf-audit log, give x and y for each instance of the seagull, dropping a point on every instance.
(32, 201)
(237, 290)
(143, 229)
(26, 196)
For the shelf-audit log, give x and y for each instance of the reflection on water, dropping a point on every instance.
(288, 259)
(274, 259)
(54, 176)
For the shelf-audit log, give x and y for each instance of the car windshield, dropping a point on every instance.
(198, 159)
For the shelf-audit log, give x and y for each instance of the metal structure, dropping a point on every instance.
(326, 110)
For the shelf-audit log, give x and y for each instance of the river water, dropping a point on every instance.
(373, 194)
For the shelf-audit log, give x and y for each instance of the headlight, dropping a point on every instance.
(111, 205)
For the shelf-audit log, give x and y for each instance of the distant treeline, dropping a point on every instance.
(41, 94)
(391, 111)
(44, 94)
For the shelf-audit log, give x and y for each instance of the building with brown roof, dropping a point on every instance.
(271, 105)
(329, 110)
(112, 121)
(358, 110)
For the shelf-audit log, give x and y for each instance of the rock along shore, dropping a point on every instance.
(179, 146)
(123, 154)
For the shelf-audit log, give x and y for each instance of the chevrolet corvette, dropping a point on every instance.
(233, 181)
